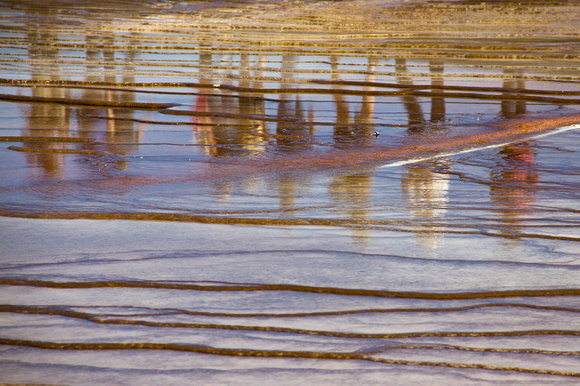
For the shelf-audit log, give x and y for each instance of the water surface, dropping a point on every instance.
(322, 192)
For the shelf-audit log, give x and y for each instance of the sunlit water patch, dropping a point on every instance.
(243, 192)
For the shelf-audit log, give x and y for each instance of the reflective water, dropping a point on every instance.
(314, 192)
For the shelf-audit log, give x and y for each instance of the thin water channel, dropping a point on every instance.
(248, 192)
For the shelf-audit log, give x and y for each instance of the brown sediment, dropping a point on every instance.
(438, 91)
(86, 102)
(294, 288)
(45, 139)
(503, 132)
(396, 225)
(500, 133)
(52, 151)
(269, 354)
(115, 320)
(147, 311)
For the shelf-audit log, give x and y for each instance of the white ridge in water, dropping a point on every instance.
(473, 149)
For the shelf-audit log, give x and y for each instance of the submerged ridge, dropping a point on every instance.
(292, 288)
(271, 354)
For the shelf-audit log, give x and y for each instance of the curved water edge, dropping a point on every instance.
(484, 147)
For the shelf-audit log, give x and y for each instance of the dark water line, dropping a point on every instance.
(334, 334)
(291, 90)
(177, 217)
(47, 139)
(443, 87)
(267, 354)
(256, 117)
(169, 123)
(402, 86)
(87, 102)
(292, 288)
(294, 252)
(148, 311)
(412, 90)
(474, 349)
(54, 151)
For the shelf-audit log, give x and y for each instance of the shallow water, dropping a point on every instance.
(314, 192)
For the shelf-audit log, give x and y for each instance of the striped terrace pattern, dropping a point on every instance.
(289, 191)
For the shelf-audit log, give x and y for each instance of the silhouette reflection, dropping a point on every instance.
(425, 192)
(236, 134)
(348, 132)
(353, 192)
(424, 187)
(116, 130)
(44, 119)
(113, 128)
(511, 108)
(437, 103)
(292, 130)
(416, 118)
(512, 184)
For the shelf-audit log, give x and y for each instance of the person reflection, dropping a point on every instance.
(121, 135)
(353, 133)
(223, 123)
(203, 128)
(437, 103)
(44, 119)
(293, 134)
(234, 135)
(510, 107)
(352, 193)
(116, 128)
(292, 130)
(416, 118)
(424, 187)
(512, 184)
(425, 192)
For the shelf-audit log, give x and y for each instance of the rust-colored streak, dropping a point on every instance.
(268, 354)
(143, 311)
(52, 151)
(45, 139)
(86, 102)
(294, 288)
(504, 132)
(347, 335)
